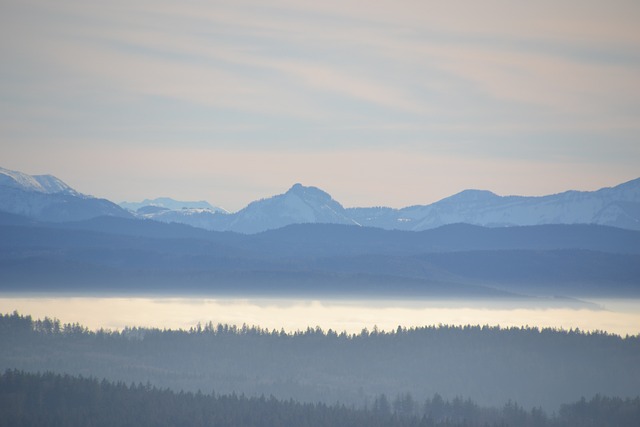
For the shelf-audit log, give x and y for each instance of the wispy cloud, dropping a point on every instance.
(488, 82)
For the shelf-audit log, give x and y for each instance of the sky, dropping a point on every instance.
(389, 103)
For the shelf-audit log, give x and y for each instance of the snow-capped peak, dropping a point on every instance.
(172, 204)
(47, 184)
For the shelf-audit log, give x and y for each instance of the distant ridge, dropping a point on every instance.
(171, 204)
(618, 206)
(46, 198)
(111, 254)
(299, 205)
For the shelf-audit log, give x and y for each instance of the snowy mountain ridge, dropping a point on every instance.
(47, 184)
(617, 206)
(47, 198)
(171, 204)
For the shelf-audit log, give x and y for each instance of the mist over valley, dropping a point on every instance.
(319, 304)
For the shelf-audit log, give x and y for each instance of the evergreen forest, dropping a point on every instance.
(491, 366)
(61, 400)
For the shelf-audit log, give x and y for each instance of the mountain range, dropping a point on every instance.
(618, 206)
(46, 198)
(303, 242)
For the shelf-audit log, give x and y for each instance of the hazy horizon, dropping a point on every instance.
(379, 105)
(615, 316)
(396, 104)
(344, 203)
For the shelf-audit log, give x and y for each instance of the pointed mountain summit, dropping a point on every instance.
(299, 205)
(47, 198)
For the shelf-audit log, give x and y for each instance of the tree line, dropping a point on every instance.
(47, 399)
(490, 365)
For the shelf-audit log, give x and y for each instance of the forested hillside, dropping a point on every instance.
(487, 364)
(52, 400)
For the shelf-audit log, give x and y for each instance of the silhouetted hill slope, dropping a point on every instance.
(334, 239)
(53, 400)
(487, 364)
(147, 228)
(7, 218)
(327, 239)
(104, 254)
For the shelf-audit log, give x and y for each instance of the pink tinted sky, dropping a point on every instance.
(379, 103)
